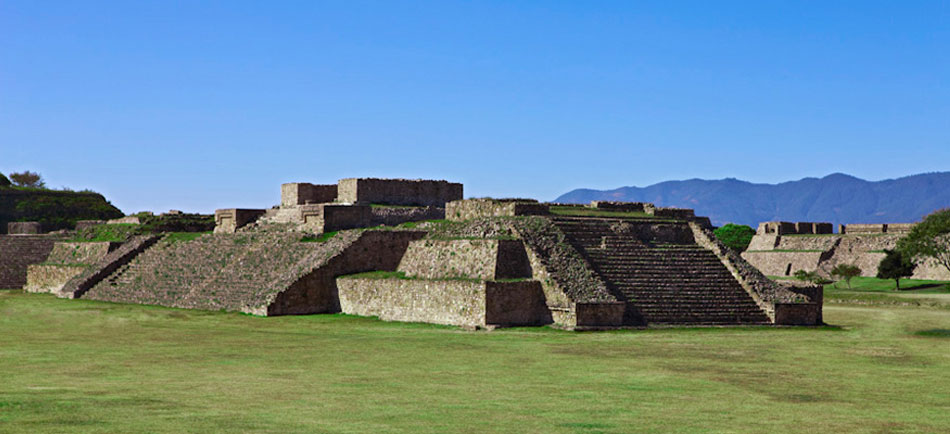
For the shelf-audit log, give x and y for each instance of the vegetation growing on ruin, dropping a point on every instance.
(54, 209)
(117, 232)
(154, 369)
(593, 212)
(321, 238)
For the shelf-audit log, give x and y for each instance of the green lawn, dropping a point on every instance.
(873, 284)
(85, 366)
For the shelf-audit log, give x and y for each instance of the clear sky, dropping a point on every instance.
(203, 105)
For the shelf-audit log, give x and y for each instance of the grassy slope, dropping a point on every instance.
(92, 366)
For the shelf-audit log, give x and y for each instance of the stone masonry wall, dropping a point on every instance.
(80, 252)
(394, 216)
(397, 191)
(24, 228)
(783, 263)
(462, 210)
(19, 251)
(302, 193)
(477, 259)
(50, 277)
(227, 221)
(452, 302)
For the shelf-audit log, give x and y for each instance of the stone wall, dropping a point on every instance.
(477, 259)
(24, 228)
(66, 260)
(804, 243)
(17, 252)
(783, 263)
(674, 213)
(80, 252)
(227, 221)
(301, 193)
(397, 191)
(863, 228)
(471, 304)
(313, 289)
(50, 277)
(85, 224)
(335, 217)
(461, 210)
(789, 228)
(390, 216)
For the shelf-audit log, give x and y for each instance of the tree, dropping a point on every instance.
(929, 239)
(894, 266)
(846, 272)
(809, 276)
(27, 179)
(4, 182)
(736, 237)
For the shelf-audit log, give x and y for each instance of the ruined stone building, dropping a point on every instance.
(782, 248)
(415, 250)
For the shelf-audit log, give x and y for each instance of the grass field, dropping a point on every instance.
(85, 366)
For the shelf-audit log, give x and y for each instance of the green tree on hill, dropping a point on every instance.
(929, 239)
(4, 181)
(27, 179)
(736, 237)
(894, 266)
(846, 272)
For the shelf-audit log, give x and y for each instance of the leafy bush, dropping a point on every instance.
(846, 272)
(809, 276)
(736, 237)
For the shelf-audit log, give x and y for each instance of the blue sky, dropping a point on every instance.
(204, 105)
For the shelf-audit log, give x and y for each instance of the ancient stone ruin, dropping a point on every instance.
(415, 250)
(782, 248)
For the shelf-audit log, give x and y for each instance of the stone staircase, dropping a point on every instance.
(214, 272)
(663, 282)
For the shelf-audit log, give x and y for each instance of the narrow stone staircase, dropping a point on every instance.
(666, 282)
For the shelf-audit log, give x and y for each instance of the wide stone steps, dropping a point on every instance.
(667, 283)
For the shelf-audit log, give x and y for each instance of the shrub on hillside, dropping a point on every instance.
(736, 237)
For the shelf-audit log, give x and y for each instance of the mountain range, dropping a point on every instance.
(836, 198)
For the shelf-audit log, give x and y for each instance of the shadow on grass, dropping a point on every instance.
(934, 333)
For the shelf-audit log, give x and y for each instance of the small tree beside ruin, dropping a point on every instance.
(930, 239)
(894, 266)
(27, 179)
(736, 237)
(846, 272)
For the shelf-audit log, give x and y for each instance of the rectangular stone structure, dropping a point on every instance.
(24, 228)
(473, 259)
(674, 213)
(470, 304)
(301, 193)
(461, 210)
(335, 217)
(899, 228)
(227, 221)
(397, 191)
(864, 228)
(824, 228)
(804, 228)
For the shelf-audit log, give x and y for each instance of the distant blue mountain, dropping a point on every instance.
(836, 198)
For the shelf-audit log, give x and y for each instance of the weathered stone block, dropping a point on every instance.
(451, 302)
(397, 191)
(302, 193)
(49, 277)
(335, 217)
(476, 259)
(24, 228)
(461, 210)
(80, 252)
(800, 314)
(621, 206)
(227, 221)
